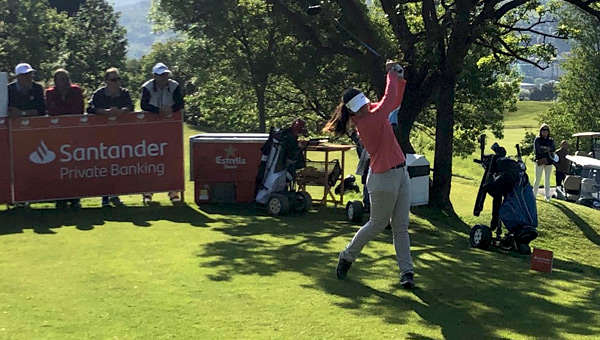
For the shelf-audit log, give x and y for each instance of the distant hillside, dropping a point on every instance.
(134, 17)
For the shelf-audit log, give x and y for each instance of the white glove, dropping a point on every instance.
(400, 70)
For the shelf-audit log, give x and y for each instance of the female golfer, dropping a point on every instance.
(544, 149)
(387, 181)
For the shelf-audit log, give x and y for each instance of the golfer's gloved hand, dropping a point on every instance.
(400, 70)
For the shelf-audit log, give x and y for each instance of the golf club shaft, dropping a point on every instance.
(369, 48)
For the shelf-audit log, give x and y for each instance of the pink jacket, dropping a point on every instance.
(375, 130)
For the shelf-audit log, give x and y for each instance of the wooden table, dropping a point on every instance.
(327, 148)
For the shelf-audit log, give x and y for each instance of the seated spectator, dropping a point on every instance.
(111, 99)
(64, 99)
(163, 96)
(25, 97)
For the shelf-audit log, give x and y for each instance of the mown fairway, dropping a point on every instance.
(231, 272)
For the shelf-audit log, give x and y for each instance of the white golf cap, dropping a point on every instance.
(23, 68)
(357, 102)
(555, 157)
(160, 68)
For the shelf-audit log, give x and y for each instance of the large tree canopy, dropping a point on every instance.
(457, 56)
(85, 44)
(434, 39)
(69, 6)
(579, 89)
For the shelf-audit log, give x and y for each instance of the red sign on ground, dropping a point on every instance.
(541, 260)
(96, 155)
(5, 188)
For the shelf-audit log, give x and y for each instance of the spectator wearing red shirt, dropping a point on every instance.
(64, 98)
(388, 181)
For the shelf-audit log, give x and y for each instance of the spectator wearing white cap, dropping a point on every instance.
(25, 97)
(161, 95)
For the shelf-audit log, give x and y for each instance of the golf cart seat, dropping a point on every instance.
(572, 185)
(581, 153)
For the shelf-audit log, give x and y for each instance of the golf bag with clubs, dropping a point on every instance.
(513, 203)
(275, 182)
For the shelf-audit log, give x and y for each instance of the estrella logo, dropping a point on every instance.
(42, 155)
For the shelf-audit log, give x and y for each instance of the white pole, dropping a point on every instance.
(3, 94)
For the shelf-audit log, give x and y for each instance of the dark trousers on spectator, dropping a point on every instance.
(560, 177)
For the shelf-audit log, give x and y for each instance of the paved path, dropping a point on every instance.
(541, 191)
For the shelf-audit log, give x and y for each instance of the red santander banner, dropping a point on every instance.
(5, 187)
(96, 155)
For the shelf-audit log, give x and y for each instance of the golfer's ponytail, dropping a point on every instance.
(341, 115)
(339, 120)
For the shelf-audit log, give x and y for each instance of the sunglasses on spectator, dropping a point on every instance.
(545, 129)
(114, 79)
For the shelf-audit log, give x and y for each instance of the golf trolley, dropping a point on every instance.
(276, 185)
(513, 204)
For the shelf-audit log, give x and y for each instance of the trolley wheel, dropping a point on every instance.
(354, 211)
(278, 204)
(480, 237)
(304, 201)
(524, 249)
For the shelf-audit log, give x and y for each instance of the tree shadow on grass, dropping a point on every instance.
(587, 229)
(46, 221)
(467, 293)
(236, 209)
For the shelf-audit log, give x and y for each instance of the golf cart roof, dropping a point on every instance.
(586, 162)
(587, 134)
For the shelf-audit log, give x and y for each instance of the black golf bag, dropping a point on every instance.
(513, 203)
(281, 157)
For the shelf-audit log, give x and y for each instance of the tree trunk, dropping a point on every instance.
(444, 137)
(260, 103)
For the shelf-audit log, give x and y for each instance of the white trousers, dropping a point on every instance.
(547, 169)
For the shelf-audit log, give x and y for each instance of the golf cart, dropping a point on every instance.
(590, 141)
(582, 185)
(513, 204)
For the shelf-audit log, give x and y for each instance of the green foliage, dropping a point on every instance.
(140, 34)
(545, 92)
(85, 44)
(31, 31)
(69, 6)
(95, 42)
(579, 88)
(527, 144)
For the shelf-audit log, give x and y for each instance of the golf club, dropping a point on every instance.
(315, 10)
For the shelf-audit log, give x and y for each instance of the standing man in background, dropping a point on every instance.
(161, 95)
(563, 165)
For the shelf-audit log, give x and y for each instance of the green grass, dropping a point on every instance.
(526, 115)
(231, 272)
